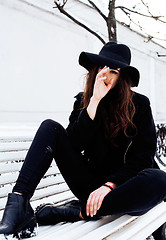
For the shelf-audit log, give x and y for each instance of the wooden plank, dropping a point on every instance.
(143, 226)
(48, 191)
(16, 166)
(45, 182)
(43, 193)
(51, 180)
(12, 156)
(108, 228)
(10, 167)
(48, 232)
(16, 137)
(72, 231)
(11, 177)
(14, 146)
(56, 199)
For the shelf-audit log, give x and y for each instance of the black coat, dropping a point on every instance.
(109, 162)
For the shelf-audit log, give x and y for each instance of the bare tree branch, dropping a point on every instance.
(62, 4)
(157, 18)
(149, 37)
(111, 19)
(98, 10)
(160, 55)
(61, 9)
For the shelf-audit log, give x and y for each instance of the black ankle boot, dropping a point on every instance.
(18, 218)
(49, 214)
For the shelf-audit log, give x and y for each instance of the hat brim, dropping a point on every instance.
(90, 60)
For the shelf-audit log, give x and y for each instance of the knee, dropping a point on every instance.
(50, 124)
(157, 177)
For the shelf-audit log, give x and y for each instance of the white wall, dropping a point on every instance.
(151, 67)
(39, 67)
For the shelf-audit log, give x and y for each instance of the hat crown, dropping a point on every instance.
(119, 52)
(112, 55)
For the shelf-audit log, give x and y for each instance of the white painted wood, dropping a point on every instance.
(57, 199)
(45, 182)
(103, 231)
(53, 189)
(142, 226)
(43, 193)
(9, 167)
(48, 191)
(16, 137)
(51, 180)
(80, 230)
(14, 146)
(11, 177)
(12, 156)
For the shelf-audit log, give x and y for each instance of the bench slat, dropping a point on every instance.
(52, 230)
(16, 137)
(45, 182)
(142, 226)
(43, 192)
(14, 146)
(48, 191)
(109, 228)
(11, 177)
(10, 167)
(16, 166)
(12, 156)
(75, 230)
(58, 199)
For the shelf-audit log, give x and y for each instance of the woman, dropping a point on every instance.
(106, 154)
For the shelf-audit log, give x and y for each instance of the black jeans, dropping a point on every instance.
(134, 197)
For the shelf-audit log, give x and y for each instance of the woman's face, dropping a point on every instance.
(112, 75)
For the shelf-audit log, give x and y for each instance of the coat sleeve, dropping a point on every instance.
(140, 153)
(81, 128)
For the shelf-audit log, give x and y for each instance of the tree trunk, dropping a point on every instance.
(111, 22)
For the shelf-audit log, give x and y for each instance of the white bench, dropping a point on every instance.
(53, 188)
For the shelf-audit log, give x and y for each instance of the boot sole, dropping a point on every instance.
(26, 230)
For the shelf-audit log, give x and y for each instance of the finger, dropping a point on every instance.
(109, 85)
(100, 201)
(100, 68)
(96, 204)
(104, 70)
(88, 204)
(102, 79)
(91, 206)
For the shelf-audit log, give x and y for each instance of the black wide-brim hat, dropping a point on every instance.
(112, 55)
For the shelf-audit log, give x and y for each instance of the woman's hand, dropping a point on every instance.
(99, 91)
(100, 87)
(95, 200)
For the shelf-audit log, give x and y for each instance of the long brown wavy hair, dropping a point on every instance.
(116, 109)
